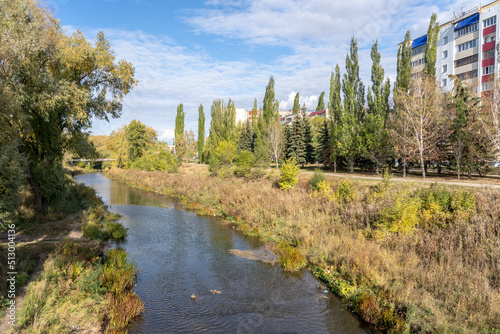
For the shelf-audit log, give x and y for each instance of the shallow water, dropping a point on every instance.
(179, 254)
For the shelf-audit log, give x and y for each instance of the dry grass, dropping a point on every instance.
(440, 276)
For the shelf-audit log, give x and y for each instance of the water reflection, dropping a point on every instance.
(180, 254)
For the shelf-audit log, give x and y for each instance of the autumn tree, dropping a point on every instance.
(57, 84)
(276, 140)
(335, 106)
(422, 121)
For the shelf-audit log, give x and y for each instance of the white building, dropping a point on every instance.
(466, 47)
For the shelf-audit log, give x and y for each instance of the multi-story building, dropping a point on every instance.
(466, 47)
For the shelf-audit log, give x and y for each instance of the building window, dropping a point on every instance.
(486, 86)
(418, 49)
(445, 82)
(466, 30)
(466, 60)
(489, 22)
(488, 54)
(467, 75)
(467, 45)
(445, 54)
(418, 62)
(445, 68)
(445, 40)
(489, 70)
(488, 39)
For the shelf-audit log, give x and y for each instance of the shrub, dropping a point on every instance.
(346, 192)
(226, 150)
(289, 172)
(317, 177)
(290, 257)
(403, 216)
(155, 159)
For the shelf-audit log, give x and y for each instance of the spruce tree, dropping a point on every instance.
(431, 48)
(323, 153)
(245, 140)
(321, 102)
(297, 146)
(308, 140)
(179, 131)
(201, 132)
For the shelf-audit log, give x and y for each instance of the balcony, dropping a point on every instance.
(489, 30)
(488, 62)
(487, 78)
(488, 46)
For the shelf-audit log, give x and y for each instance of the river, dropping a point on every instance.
(180, 254)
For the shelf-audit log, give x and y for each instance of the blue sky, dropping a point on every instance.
(192, 51)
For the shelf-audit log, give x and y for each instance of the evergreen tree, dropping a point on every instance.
(323, 153)
(245, 140)
(296, 104)
(179, 131)
(308, 140)
(352, 116)
(431, 48)
(296, 144)
(404, 65)
(375, 137)
(321, 102)
(201, 132)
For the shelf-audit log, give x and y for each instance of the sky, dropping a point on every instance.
(193, 52)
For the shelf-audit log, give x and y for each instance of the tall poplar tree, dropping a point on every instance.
(222, 125)
(431, 48)
(352, 116)
(321, 102)
(296, 104)
(179, 131)
(269, 106)
(376, 142)
(336, 109)
(404, 65)
(201, 132)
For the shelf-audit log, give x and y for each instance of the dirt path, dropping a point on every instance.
(75, 233)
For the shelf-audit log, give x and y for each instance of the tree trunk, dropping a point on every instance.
(351, 166)
(439, 168)
(422, 164)
(335, 166)
(458, 169)
(377, 168)
(469, 174)
(404, 167)
(37, 195)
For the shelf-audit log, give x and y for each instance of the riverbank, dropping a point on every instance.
(77, 285)
(405, 257)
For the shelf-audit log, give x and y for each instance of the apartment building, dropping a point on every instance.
(466, 47)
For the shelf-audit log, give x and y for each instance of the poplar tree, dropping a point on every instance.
(431, 48)
(179, 131)
(269, 106)
(296, 104)
(321, 102)
(324, 145)
(222, 125)
(201, 132)
(352, 115)
(404, 65)
(376, 142)
(336, 109)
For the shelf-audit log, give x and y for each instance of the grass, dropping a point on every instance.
(408, 257)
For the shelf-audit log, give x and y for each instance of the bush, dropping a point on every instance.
(289, 172)
(290, 257)
(346, 192)
(226, 150)
(317, 177)
(156, 159)
(101, 225)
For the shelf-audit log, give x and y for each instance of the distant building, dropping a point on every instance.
(465, 48)
(288, 119)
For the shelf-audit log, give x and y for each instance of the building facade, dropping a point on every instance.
(466, 48)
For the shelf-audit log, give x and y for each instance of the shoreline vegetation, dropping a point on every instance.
(405, 257)
(82, 285)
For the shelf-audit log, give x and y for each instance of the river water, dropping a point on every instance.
(180, 254)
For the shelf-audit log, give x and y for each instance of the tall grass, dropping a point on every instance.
(408, 257)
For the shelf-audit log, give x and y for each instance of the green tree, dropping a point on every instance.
(404, 65)
(180, 149)
(269, 106)
(308, 138)
(376, 143)
(321, 102)
(431, 48)
(139, 139)
(323, 150)
(335, 106)
(352, 116)
(222, 125)
(296, 104)
(297, 145)
(58, 83)
(246, 138)
(201, 132)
